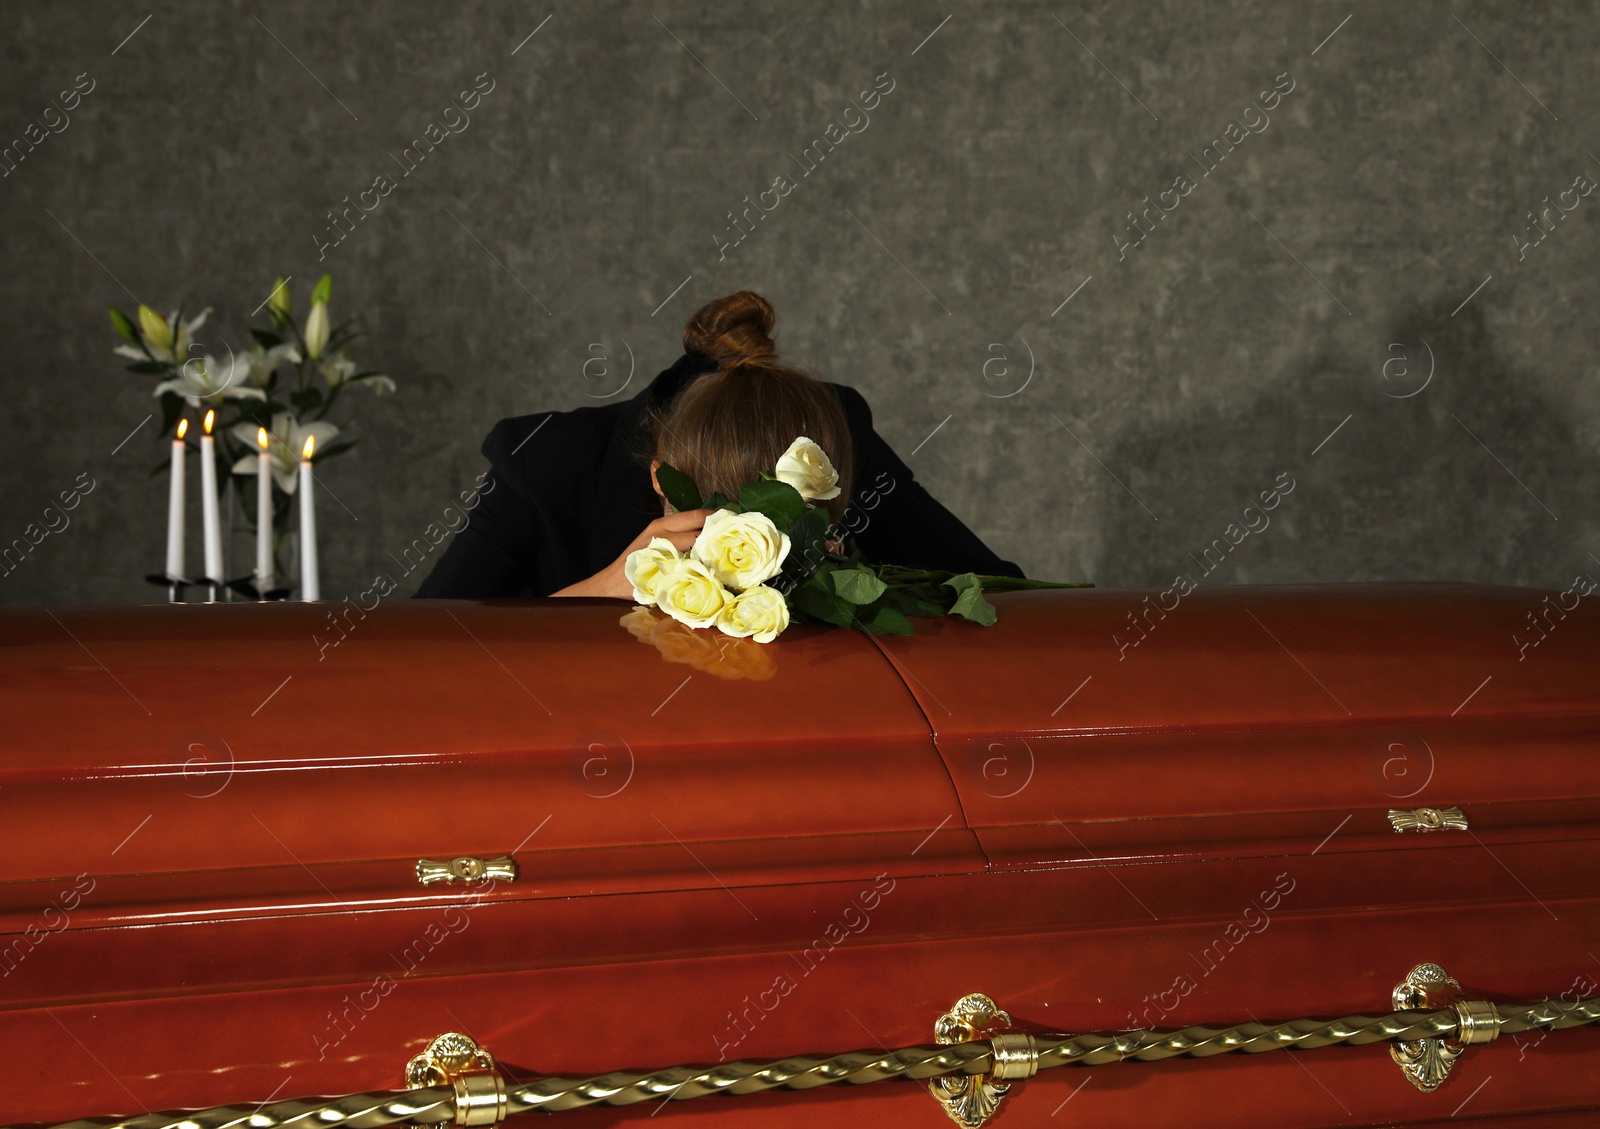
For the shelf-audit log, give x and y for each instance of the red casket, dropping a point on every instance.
(646, 846)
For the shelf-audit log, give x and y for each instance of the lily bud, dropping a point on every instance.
(317, 330)
(279, 302)
(124, 325)
(155, 328)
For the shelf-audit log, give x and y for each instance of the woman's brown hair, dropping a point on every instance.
(731, 424)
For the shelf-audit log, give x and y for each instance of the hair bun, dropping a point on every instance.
(735, 329)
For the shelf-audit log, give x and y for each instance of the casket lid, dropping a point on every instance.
(240, 759)
(245, 758)
(1263, 719)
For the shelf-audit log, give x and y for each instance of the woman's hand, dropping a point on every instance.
(680, 528)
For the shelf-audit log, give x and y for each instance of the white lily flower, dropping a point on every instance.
(264, 362)
(286, 438)
(171, 345)
(316, 331)
(156, 331)
(213, 381)
(339, 368)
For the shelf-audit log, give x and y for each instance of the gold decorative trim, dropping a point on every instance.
(1427, 1062)
(1467, 1022)
(971, 1099)
(457, 1061)
(466, 868)
(1428, 819)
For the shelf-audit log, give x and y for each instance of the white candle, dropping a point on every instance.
(263, 514)
(175, 507)
(211, 523)
(310, 589)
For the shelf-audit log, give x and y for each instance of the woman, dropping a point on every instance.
(571, 494)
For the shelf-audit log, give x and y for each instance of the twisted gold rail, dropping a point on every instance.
(353, 1111)
(804, 1072)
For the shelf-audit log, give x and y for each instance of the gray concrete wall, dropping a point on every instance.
(1374, 216)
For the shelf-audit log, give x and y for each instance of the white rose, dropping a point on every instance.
(805, 466)
(758, 612)
(740, 549)
(690, 594)
(643, 567)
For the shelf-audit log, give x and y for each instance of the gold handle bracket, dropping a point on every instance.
(457, 1061)
(1427, 1062)
(1428, 819)
(466, 868)
(971, 1099)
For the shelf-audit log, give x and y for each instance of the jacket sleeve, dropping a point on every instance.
(497, 552)
(893, 517)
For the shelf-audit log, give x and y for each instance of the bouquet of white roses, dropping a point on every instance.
(766, 557)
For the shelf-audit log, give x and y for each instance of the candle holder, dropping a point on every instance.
(244, 585)
(173, 584)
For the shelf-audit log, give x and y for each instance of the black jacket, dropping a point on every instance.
(564, 496)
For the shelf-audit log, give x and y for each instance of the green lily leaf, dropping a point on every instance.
(171, 409)
(333, 449)
(678, 487)
(149, 367)
(265, 339)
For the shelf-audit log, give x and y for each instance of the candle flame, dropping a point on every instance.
(311, 441)
(211, 416)
(183, 428)
(261, 437)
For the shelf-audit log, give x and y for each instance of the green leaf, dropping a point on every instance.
(171, 409)
(305, 400)
(124, 325)
(807, 555)
(916, 599)
(969, 599)
(715, 502)
(779, 501)
(257, 412)
(265, 339)
(323, 291)
(882, 620)
(811, 526)
(344, 333)
(678, 487)
(1018, 584)
(333, 449)
(858, 585)
(149, 367)
(815, 601)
